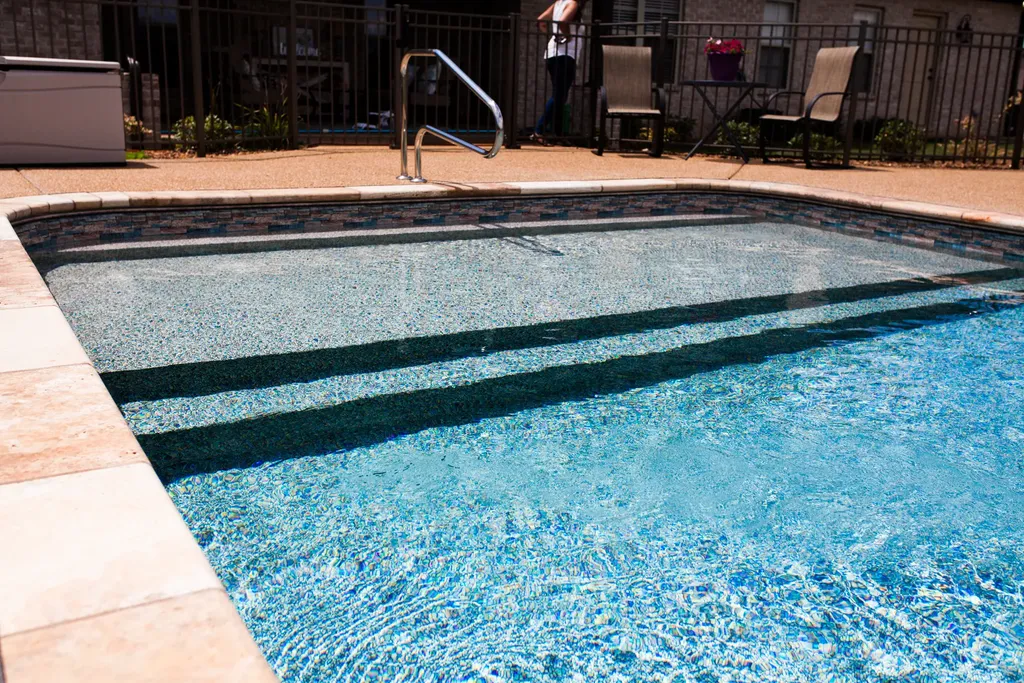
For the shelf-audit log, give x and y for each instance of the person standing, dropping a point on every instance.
(560, 59)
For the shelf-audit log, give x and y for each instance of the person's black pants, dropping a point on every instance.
(562, 70)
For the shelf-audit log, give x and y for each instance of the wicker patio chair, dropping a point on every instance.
(823, 100)
(627, 93)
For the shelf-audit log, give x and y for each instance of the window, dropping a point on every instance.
(774, 49)
(376, 19)
(864, 68)
(647, 11)
(650, 13)
(156, 12)
(624, 11)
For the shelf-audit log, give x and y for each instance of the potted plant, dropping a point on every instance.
(724, 57)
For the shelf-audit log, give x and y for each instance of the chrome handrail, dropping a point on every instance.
(499, 135)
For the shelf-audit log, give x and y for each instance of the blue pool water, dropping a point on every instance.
(752, 453)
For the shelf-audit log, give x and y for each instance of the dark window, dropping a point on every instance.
(155, 12)
(774, 48)
(650, 13)
(774, 66)
(864, 68)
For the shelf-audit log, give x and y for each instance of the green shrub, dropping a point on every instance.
(269, 124)
(899, 139)
(678, 131)
(135, 129)
(975, 147)
(220, 135)
(821, 145)
(745, 133)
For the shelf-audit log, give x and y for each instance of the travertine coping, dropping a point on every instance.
(22, 208)
(101, 579)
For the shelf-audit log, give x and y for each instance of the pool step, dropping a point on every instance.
(199, 246)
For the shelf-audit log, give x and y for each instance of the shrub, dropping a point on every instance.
(1011, 113)
(975, 147)
(269, 124)
(821, 145)
(220, 135)
(134, 129)
(745, 133)
(866, 130)
(1014, 101)
(676, 131)
(899, 139)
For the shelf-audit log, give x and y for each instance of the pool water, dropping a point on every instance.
(742, 453)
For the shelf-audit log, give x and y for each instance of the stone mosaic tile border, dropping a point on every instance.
(101, 579)
(156, 216)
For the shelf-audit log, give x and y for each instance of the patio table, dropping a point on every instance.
(746, 89)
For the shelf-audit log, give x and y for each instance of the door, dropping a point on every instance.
(921, 58)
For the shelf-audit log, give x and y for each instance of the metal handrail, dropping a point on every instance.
(499, 135)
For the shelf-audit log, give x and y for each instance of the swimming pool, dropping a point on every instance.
(750, 452)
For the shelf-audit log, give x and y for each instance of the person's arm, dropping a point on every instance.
(545, 17)
(568, 16)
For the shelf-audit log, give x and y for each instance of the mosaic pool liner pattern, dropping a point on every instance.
(88, 229)
(759, 483)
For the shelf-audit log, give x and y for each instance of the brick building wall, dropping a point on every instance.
(65, 30)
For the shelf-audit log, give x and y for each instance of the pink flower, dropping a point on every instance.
(715, 46)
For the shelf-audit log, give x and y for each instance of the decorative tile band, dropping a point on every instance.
(87, 229)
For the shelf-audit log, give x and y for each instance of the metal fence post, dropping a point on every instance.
(1018, 139)
(659, 69)
(512, 84)
(596, 76)
(851, 115)
(398, 123)
(197, 81)
(293, 76)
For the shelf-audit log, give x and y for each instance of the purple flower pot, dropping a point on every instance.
(724, 67)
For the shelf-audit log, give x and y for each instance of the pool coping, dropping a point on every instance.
(104, 579)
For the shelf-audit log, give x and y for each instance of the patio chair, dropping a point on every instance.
(823, 100)
(627, 93)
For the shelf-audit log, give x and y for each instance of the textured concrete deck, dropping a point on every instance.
(989, 190)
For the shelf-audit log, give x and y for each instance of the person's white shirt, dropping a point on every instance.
(570, 47)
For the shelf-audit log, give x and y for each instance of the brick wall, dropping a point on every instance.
(50, 28)
(148, 105)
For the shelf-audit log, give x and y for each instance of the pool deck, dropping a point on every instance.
(101, 579)
(1000, 190)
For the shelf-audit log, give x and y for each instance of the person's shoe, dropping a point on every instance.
(539, 139)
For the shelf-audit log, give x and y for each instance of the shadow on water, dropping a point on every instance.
(201, 379)
(380, 418)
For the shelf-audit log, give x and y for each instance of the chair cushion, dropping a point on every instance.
(780, 117)
(793, 119)
(633, 112)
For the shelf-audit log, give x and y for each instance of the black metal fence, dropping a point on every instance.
(275, 73)
(920, 94)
